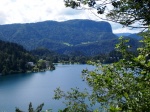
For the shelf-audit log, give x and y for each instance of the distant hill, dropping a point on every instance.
(87, 36)
(123, 34)
(135, 36)
(131, 35)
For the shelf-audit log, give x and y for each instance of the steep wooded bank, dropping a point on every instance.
(14, 58)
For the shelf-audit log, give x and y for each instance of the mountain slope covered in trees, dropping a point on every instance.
(89, 37)
(13, 58)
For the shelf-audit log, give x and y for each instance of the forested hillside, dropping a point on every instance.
(62, 37)
(86, 36)
(13, 58)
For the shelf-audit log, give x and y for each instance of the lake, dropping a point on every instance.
(20, 89)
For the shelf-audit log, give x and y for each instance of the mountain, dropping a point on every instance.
(135, 36)
(87, 36)
(123, 34)
(131, 35)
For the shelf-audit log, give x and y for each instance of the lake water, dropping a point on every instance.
(21, 89)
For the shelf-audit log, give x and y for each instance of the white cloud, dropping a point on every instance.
(23, 11)
(3, 18)
(26, 11)
(117, 28)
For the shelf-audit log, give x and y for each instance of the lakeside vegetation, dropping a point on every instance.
(15, 59)
(123, 85)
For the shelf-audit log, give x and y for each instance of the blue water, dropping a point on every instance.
(21, 89)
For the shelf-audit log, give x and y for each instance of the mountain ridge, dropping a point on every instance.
(87, 36)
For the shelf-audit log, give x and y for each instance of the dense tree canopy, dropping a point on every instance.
(125, 12)
(62, 37)
(14, 58)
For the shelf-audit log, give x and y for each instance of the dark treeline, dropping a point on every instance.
(75, 56)
(13, 58)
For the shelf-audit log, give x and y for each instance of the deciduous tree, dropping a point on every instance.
(124, 85)
(125, 12)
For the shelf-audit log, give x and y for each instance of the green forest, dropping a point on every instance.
(122, 86)
(121, 79)
(14, 58)
(86, 36)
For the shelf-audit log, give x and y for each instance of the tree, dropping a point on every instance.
(125, 12)
(41, 64)
(13, 58)
(121, 86)
(30, 109)
(124, 85)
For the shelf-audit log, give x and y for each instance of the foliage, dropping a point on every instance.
(86, 36)
(125, 12)
(130, 11)
(75, 100)
(31, 109)
(14, 58)
(121, 86)
(113, 56)
(41, 64)
(124, 85)
(46, 54)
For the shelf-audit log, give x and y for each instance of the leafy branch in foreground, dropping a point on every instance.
(121, 86)
(125, 12)
(124, 85)
(75, 100)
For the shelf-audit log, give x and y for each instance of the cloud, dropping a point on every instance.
(70, 12)
(3, 18)
(118, 28)
(21, 11)
(27, 11)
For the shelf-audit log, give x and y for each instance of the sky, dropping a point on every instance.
(31, 11)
